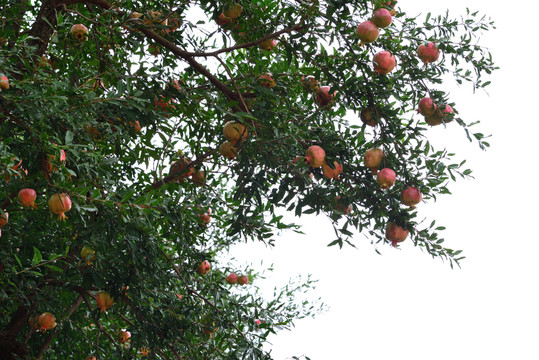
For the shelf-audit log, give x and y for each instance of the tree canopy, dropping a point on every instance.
(141, 139)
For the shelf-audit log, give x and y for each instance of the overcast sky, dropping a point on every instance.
(404, 304)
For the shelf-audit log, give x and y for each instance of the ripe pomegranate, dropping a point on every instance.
(232, 278)
(268, 44)
(27, 198)
(79, 32)
(90, 358)
(428, 53)
(382, 18)
(243, 280)
(123, 336)
(386, 178)
(427, 107)
(59, 204)
(87, 254)
(411, 197)
(367, 32)
(266, 80)
(180, 169)
(330, 173)
(199, 177)
(315, 156)
(204, 267)
(104, 301)
(446, 112)
(228, 150)
(309, 83)
(205, 216)
(4, 82)
(223, 20)
(384, 62)
(324, 98)
(442, 114)
(369, 116)
(4, 217)
(395, 233)
(233, 11)
(235, 131)
(373, 159)
(46, 321)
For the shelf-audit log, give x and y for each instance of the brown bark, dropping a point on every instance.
(8, 337)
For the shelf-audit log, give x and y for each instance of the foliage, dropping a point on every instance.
(181, 76)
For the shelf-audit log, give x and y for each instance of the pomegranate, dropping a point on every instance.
(266, 80)
(243, 280)
(199, 177)
(330, 173)
(411, 197)
(47, 165)
(324, 98)
(309, 83)
(4, 82)
(315, 156)
(257, 322)
(233, 11)
(223, 20)
(427, 107)
(428, 53)
(180, 169)
(27, 198)
(204, 267)
(104, 301)
(4, 217)
(123, 336)
(384, 62)
(268, 44)
(373, 159)
(447, 112)
(87, 254)
(165, 105)
(395, 233)
(59, 204)
(382, 18)
(90, 358)
(235, 131)
(344, 207)
(386, 178)
(367, 32)
(369, 116)
(136, 126)
(228, 150)
(79, 32)
(205, 216)
(144, 351)
(442, 114)
(232, 278)
(46, 321)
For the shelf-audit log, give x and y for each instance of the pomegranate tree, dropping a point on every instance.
(367, 32)
(411, 196)
(383, 62)
(395, 233)
(59, 204)
(386, 178)
(315, 156)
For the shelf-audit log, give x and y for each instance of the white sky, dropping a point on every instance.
(406, 305)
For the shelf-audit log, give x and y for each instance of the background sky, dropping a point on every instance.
(406, 304)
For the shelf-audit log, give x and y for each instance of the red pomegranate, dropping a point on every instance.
(205, 216)
(386, 178)
(46, 321)
(382, 18)
(426, 107)
(232, 278)
(383, 62)
(104, 301)
(411, 197)
(428, 53)
(266, 80)
(268, 44)
(367, 32)
(395, 233)
(315, 156)
(330, 173)
(59, 204)
(442, 114)
(373, 159)
(27, 198)
(243, 280)
(180, 169)
(4, 217)
(324, 98)
(369, 116)
(123, 336)
(446, 112)
(4, 82)
(204, 267)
